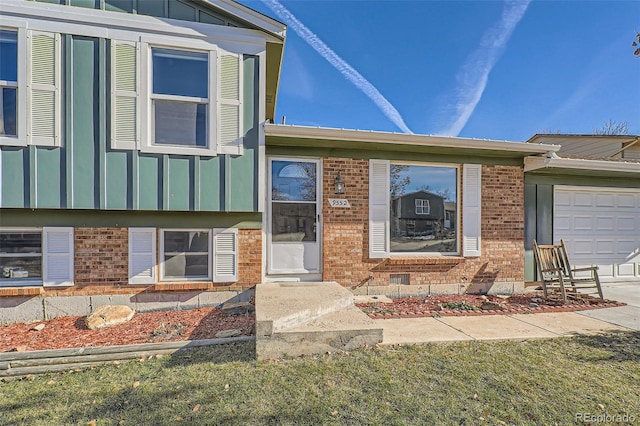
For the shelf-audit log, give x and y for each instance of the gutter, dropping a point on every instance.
(369, 136)
(537, 163)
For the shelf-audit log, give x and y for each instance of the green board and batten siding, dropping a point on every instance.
(85, 173)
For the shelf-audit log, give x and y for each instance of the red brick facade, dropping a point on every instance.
(346, 234)
(101, 263)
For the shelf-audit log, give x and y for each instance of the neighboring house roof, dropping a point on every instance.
(592, 167)
(450, 205)
(288, 135)
(592, 146)
(593, 155)
(420, 191)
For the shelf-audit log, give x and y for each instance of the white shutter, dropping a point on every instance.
(230, 105)
(471, 211)
(44, 88)
(379, 208)
(142, 255)
(225, 255)
(57, 264)
(125, 132)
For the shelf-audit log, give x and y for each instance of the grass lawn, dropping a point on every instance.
(540, 382)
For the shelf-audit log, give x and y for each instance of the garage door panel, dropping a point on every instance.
(582, 223)
(605, 248)
(627, 270)
(605, 200)
(601, 227)
(627, 201)
(627, 224)
(605, 223)
(583, 199)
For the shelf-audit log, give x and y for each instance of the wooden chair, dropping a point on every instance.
(557, 275)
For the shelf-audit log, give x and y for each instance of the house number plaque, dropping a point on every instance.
(339, 203)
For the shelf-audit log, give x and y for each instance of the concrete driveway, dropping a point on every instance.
(625, 316)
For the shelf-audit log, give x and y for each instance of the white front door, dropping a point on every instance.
(294, 233)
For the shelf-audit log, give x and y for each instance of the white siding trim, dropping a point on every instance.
(142, 255)
(471, 210)
(225, 255)
(57, 257)
(379, 199)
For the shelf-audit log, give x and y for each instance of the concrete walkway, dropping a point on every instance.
(626, 316)
(520, 326)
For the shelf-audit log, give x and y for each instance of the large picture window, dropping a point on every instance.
(8, 83)
(186, 254)
(180, 97)
(423, 208)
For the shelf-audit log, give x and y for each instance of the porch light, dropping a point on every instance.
(338, 185)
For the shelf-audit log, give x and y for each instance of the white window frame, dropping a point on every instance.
(25, 282)
(422, 206)
(63, 258)
(147, 96)
(209, 253)
(458, 251)
(21, 96)
(387, 253)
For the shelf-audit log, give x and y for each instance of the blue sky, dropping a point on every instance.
(500, 70)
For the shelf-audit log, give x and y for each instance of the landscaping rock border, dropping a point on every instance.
(13, 364)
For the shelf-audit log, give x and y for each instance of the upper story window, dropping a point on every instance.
(8, 83)
(422, 206)
(180, 97)
(174, 96)
(30, 83)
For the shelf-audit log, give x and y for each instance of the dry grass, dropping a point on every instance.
(535, 382)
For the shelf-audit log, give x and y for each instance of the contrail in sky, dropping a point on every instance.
(472, 77)
(338, 63)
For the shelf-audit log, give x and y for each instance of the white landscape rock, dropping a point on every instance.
(108, 315)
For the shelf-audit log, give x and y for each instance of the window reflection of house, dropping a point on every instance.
(419, 213)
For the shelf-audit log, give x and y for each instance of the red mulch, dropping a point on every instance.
(144, 327)
(463, 305)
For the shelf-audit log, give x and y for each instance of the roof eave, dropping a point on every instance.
(367, 136)
(537, 163)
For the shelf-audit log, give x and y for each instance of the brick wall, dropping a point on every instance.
(346, 234)
(249, 257)
(101, 258)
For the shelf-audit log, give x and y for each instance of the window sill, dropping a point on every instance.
(20, 291)
(425, 260)
(11, 141)
(178, 150)
(182, 286)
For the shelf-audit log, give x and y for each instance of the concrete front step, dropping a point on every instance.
(281, 306)
(307, 318)
(346, 329)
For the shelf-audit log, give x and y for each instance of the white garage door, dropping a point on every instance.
(600, 226)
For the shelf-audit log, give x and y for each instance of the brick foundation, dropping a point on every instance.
(346, 234)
